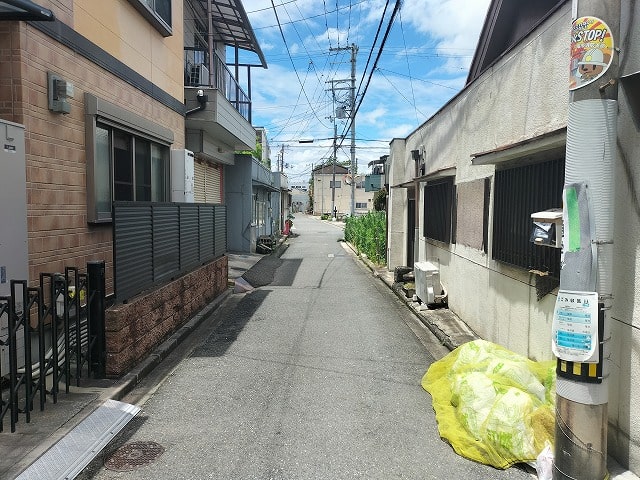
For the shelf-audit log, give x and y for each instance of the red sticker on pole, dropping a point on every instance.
(591, 51)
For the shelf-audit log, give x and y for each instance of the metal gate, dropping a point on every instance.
(56, 331)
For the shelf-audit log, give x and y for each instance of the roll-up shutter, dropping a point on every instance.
(199, 184)
(214, 185)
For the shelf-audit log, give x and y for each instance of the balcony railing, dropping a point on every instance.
(197, 73)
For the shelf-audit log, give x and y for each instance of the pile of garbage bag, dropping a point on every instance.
(492, 405)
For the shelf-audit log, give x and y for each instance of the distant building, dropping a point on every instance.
(328, 194)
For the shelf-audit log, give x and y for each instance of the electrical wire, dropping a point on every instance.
(292, 62)
(375, 65)
(413, 95)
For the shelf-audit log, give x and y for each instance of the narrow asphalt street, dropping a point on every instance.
(315, 374)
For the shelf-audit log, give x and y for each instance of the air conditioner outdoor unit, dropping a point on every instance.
(428, 288)
(199, 75)
(182, 176)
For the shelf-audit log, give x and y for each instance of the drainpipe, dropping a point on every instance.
(202, 103)
(587, 254)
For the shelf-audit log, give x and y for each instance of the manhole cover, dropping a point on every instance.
(133, 455)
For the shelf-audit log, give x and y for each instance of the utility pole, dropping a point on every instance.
(583, 347)
(280, 166)
(354, 166)
(333, 185)
(352, 107)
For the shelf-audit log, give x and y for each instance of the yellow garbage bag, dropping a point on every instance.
(492, 405)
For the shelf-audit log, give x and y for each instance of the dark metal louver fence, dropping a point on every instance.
(519, 192)
(154, 242)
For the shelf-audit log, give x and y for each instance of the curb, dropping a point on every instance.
(448, 328)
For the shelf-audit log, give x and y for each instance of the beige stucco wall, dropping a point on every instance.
(397, 205)
(119, 29)
(509, 103)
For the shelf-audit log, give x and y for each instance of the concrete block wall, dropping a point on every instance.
(134, 329)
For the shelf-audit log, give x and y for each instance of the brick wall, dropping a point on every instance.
(55, 144)
(134, 329)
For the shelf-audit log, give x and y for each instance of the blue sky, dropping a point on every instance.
(424, 62)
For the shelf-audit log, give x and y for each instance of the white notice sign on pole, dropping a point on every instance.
(575, 327)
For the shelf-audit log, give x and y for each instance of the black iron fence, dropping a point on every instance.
(54, 331)
(157, 242)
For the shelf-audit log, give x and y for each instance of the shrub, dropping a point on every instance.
(368, 234)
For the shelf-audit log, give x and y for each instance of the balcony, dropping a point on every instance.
(226, 115)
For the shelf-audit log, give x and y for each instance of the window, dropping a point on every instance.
(336, 184)
(139, 177)
(157, 12)
(127, 158)
(361, 204)
(438, 208)
(519, 192)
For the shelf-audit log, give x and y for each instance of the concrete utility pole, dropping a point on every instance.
(354, 166)
(582, 347)
(352, 107)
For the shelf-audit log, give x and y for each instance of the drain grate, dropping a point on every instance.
(133, 455)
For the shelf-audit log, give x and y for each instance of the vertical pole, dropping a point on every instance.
(212, 62)
(97, 334)
(333, 186)
(581, 405)
(354, 51)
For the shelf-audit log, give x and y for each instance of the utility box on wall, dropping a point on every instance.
(13, 225)
(182, 176)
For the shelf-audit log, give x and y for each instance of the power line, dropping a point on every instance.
(375, 64)
(292, 63)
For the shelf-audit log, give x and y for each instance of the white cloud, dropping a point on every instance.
(395, 104)
(454, 24)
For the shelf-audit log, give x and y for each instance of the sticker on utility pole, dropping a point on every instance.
(591, 51)
(575, 327)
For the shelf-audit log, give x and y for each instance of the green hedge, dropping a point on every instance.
(369, 235)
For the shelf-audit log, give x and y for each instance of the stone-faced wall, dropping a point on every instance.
(134, 329)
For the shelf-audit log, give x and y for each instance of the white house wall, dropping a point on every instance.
(523, 96)
(399, 172)
(624, 386)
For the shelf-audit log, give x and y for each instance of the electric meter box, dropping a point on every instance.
(13, 238)
(547, 228)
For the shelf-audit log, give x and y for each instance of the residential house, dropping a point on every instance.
(249, 189)
(464, 184)
(281, 203)
(104, 93)
(332, 188)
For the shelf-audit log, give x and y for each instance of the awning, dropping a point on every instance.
(231, 26)
(548, 142)
(441, 173)
(24, 10)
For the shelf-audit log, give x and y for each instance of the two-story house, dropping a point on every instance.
(102, 99)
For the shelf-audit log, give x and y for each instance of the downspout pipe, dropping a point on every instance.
(202, 103)
(580, 448)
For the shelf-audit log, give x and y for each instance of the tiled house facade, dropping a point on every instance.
(116, 74)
